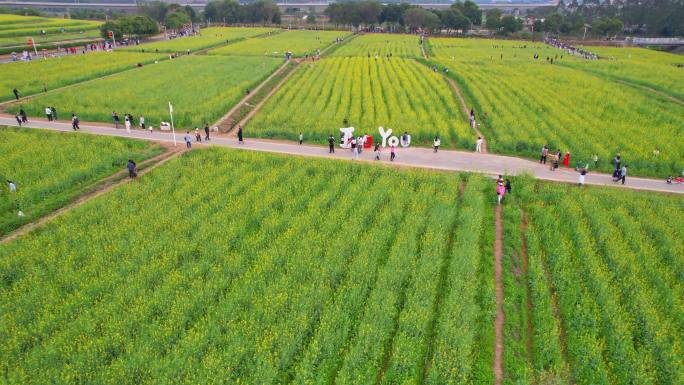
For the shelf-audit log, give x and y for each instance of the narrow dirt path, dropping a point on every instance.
(103, 186)
(528, 292)
(221, 123)
(250, 115)
(498, 286)
(422, 50)
(653, 90)
(458, 93)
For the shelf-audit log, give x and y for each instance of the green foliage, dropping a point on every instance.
(130, 26)
(204, 88)
(175, 20)
(526, 102)
(390, 92)
(50, 169)
(62, 71)
(300, 43)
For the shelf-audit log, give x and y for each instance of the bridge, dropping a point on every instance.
(318, 6)
(663, 41)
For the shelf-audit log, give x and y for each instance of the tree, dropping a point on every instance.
(470, 10)
(538, 26)
(417, 17)
(493, 19)
(552, 22)
(175, 20)
(130, 26)
(452, 18)
(311, 17)
(510, 24)
(607, 27)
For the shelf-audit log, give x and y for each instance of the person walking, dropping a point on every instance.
(74, 122)
(18, 117)
(393, 153)
(623, 174)
(206, 131)
(616, 162)
(582, 174)
(115, 118)
(500, 191)
(301, 138)
(544, 154)
(331, 144)
(48, 113)
(22, 113)
(240, 134)
(16, 93)
(508, 186)
(554, 161)
(436, 143)
(377, 151)
(132, 169)
(141, 121)
(188, 139)
(355, 149)
(198, 136)
(566, 160)
(54, 113)
(127, 123)
(478, 144)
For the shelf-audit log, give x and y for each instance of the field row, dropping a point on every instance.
(273, 295)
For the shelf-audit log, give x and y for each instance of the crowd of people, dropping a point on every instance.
(571, 49)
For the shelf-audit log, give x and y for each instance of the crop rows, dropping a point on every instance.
(30, 77)
(201, 89)
(49, 169)
(393, 93)
(208, 37)
(523, 104)
(276, 271)
(300, 43)
(381, 45)
(617, 285)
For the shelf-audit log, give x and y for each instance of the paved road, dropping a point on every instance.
(489, 164)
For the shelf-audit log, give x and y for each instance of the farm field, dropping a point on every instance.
(530, 103)
(612, 260)
(641, 66)
(52, 168)
(29, 77)
(315, 281)
(203, 89)
(209, 37)
(14, 26)
(382, 45)
(300, 43)
(21, 41)
(393, 93)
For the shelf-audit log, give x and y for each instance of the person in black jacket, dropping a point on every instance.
(331, 144)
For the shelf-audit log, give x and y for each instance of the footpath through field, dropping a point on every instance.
(489, 164)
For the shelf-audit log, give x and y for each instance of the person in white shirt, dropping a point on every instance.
(437, 143)
(142, 122)
(48, 113)
(301, 138)
(127, 123)
(12, 187)
(478, 144)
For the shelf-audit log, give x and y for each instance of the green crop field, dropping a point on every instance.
(645, 67)
(201, 88)
(393, 93)
(50, 168)
(614, 264)
(209, 37)
(530, 103)
(44, 25)
(21, 41)
(276, 270)
(29, 77)
(300, 43)
(382, 45)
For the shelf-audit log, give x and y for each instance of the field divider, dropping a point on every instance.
(459, 94)
(220, 123)
(528, 303)
(263, 101)
(498, 284)
(93, 191)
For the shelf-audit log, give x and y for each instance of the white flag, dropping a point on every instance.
(170, 108)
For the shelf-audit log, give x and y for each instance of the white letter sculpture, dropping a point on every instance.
(384, 134)
(393, 141)
(347, 135)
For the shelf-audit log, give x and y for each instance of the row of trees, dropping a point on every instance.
(230, 11)
(130, 26)
(460, 16)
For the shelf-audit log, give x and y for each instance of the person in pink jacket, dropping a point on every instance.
(500, 191)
